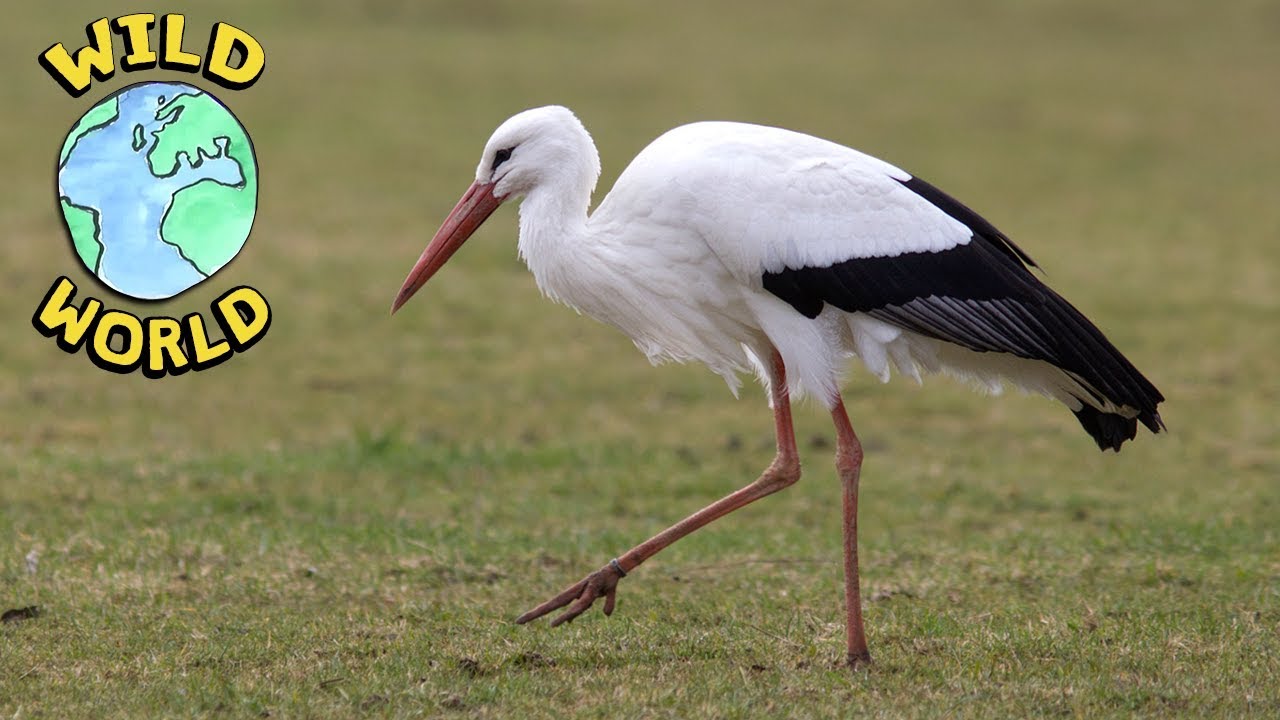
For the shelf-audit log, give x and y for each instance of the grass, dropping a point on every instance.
(345, 520)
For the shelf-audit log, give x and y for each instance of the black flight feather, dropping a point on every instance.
(982, 296)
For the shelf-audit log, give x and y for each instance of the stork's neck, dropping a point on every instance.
(553, 228)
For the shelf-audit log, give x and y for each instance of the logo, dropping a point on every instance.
(158, 188)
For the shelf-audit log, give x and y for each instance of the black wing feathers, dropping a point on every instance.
(971, 219)
(981, 296)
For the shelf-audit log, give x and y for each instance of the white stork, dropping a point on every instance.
(751, 248)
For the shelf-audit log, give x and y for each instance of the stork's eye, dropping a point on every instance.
(501, 156)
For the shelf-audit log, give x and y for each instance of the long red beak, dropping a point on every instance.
(471, 211)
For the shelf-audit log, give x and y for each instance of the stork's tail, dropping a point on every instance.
(1110, 430)
(1128, 390)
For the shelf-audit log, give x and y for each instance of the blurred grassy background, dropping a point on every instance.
(1130, 148)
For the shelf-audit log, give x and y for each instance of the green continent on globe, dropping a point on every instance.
(203, 213)
(83, 224)
(97, 117)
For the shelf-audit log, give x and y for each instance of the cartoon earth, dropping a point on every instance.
(158, 186)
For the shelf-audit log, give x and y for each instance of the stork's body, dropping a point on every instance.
(753, 248)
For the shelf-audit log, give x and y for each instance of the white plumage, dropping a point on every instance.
(674, 255)
(751, 248)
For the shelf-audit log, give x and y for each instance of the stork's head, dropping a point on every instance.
(545, 149)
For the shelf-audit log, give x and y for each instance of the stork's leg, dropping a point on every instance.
(782, 472)
(849, 465)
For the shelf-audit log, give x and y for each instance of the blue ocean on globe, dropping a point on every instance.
(108, 173)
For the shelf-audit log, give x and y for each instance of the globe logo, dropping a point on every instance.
(158, 186)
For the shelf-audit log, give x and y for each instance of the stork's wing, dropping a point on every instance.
(981, 296)
(817, 223)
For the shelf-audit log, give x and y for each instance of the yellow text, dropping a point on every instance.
(121, 342)
(235, 59)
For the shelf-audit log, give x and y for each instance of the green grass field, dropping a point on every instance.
(344, 521)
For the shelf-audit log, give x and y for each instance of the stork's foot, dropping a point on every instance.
(858, 661)
(602, 583)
